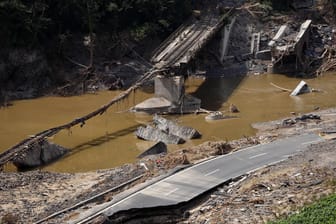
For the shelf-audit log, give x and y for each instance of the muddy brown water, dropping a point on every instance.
(108, 140)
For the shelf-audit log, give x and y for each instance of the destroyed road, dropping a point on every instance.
(200, 178)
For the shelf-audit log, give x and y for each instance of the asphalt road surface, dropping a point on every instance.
(191, 182)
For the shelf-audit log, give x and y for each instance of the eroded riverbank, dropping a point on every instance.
(34, 195)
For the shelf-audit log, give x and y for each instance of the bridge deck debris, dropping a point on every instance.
(166, 131)
(290, 42)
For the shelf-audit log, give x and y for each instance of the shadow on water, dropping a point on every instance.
(213, 92)
(88, 145)
(101, 140)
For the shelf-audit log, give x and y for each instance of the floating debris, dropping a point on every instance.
(301, 89)
(217, 115)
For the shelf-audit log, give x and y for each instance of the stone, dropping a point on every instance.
(233, 108)
(39, 154)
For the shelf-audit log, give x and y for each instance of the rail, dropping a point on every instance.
(89, 199)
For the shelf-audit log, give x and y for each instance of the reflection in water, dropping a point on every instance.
(108, 140)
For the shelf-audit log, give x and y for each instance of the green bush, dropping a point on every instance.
(321, 212)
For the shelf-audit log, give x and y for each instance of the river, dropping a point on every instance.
(108, 140)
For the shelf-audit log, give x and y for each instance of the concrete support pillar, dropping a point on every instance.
(226, 32)
(171, 88)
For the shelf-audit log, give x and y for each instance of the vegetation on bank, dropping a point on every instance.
(31, 22)
(323, 211)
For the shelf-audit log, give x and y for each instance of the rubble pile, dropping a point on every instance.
(321, 38)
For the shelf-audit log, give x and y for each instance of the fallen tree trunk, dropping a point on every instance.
(23, 146)
(281, 88)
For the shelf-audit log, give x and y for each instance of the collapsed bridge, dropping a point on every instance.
(172, 55)
(184, 44)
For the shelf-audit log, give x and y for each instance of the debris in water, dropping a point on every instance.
(233, 108)
(301, 89)
(281, 88)
(166, 131)
(217, 115)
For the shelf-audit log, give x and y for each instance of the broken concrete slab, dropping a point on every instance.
(150, 133)
(41, 153)
(301, 89)
(158, 148)
(172, 127)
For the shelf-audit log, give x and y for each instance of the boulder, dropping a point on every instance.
(39, 154)
(233, 108)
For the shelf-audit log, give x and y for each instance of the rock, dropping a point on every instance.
(39, 154)
(154, 134)
(171, 127)
(158, 148)
(233, 108)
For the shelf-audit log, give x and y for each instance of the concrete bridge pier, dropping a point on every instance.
(169, 97)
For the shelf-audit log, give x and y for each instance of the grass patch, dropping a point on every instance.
(323, 211)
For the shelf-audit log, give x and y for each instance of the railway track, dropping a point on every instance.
(89, 200)
(184, 43)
